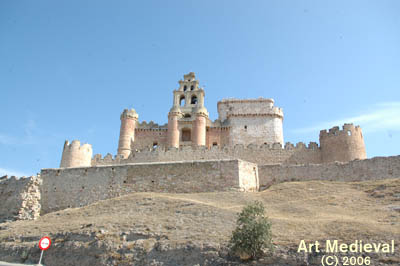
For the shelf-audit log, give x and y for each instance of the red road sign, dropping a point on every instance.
(44, 243)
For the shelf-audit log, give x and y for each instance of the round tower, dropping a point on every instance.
(75, 155)
(342, 145)
(173, 128)
(199, 127)
(129, 120)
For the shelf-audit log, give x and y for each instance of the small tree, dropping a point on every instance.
(253, 232)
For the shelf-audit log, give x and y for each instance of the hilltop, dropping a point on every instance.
(194, 228)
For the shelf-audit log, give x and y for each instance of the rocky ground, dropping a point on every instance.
(193, 229)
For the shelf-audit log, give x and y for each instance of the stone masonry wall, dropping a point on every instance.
(75, 187)
(20, 198)
(263, 154)
(357, 170)
(148, 137)
(255, 129)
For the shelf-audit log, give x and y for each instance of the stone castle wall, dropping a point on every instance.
(218, 136)
(62, 188)
(20, 198)
(246, 129)
(263, 154)
(75, 187)
(357, 170)
(147, 137)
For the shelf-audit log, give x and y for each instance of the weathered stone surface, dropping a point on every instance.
(75, 187)
(20, 198)
(358, 170)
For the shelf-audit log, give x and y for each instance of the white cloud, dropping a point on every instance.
(10, 172)
(382, 117)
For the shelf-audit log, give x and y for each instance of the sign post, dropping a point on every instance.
(44, 243)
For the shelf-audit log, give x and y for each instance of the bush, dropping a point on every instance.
(252, 234)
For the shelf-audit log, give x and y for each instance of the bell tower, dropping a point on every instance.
(187, 119)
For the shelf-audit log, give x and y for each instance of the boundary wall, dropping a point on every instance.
(76, 187)
(357, 170)
(20, 198)
(262, 155)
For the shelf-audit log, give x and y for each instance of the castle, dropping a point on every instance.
(243, 150)
(248, 129)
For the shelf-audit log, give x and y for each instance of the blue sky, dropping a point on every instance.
(68, 68)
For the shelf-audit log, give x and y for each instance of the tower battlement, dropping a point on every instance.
(75, 155)
(342, 145)
(248, 107)
(347, 129)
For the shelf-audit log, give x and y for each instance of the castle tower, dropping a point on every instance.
(173, 129)
(252, 121)
(129, 119)
(342, 145)
(187, 119)
(75, 155)
(199, 128)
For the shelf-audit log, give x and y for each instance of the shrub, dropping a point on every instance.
(252, 234)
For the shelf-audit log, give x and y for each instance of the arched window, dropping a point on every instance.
(184, 88)
(191, 87)
(182, 101)
(194, 100)
(155, 145)
(187, 116)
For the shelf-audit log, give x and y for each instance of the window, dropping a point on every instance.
(191, 87)
(187, 116)
(349, 133)
(245, 128)
(182, 101)
(194, 100)
(184, 88)
(186, 134)
(155, 145)
(215, 144)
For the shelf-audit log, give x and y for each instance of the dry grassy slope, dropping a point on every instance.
(140, 227)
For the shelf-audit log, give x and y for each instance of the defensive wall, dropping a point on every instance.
(358, 170)
(20, 198)
(61, 188)
(75, 187)
(259, 154)
(342, 145)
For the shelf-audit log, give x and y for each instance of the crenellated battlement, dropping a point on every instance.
(74, 154)
(151, 125)
(347, 130)
(76, 145)
(268, 153)
(228, 108)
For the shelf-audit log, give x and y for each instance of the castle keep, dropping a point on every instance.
(247, 129)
